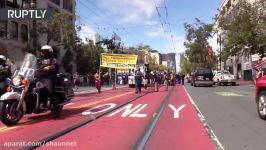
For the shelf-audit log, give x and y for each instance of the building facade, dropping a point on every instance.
(156, 57)
(94, 39)
(240, 66)
(169, 60)
(15, 35)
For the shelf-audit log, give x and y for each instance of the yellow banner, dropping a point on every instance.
(118, 60)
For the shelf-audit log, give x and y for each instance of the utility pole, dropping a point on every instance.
(220, 53)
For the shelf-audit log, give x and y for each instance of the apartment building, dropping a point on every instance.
(94, 39)
(15, 35)
(241, 66)
(169, 60)
(156, 56)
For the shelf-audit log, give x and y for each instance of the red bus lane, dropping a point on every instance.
(77, 101)
(116, 130)
(179, 126)
(43, 125)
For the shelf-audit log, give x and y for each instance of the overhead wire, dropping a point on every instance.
(162, 24)
(85, 22)
(108, 17)
(167, 19)
(104, 19)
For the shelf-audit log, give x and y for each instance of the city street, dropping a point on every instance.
(117, 119)
(128, 75)
(219, 117)
(231, 113)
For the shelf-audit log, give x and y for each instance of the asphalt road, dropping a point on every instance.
(231, 113)
(115, 119)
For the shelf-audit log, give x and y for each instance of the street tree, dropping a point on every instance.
(142, 46)
(245, 29)
(185, 65)
(88, 58)
(60, 31)
(197, 46)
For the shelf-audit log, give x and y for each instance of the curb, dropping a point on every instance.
(95, 91)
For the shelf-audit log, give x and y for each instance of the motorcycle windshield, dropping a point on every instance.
(28, 67)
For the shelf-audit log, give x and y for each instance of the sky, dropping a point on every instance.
(158, 23)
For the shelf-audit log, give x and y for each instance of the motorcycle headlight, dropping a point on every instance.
(65, 79)
(16, 81)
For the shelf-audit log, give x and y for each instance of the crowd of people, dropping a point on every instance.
(158, 78)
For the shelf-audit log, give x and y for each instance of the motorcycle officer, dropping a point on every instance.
(47, 72)
(5, 74)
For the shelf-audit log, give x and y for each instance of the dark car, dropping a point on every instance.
(261, 97)
(202, 77)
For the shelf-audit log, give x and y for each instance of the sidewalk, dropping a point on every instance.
(244, 82)
(92, 89)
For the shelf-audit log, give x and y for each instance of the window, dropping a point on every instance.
(12, 3)
(67, 5)
(3, 28)
(204, 71)
(56, 2)
(24, 32)
(13, 30)
(19, 2)
(226, 72)
(2, 4)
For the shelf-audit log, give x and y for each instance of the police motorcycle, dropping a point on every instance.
(27, 94)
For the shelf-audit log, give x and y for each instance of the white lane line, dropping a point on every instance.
(203, 120)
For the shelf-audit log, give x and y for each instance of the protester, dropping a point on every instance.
(172, 76)
(98, 81)
(108, 79)
(183, 78)
(138, 80)
(156, 78)
(76, 80)
(166, 80)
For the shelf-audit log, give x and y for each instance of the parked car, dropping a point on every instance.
(202, 77)
(261, 97)
(224, 78)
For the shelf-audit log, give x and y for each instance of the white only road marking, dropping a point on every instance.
(90, 112)
(135, 114)
(176, 111)
(203, 120)
(133, 111)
